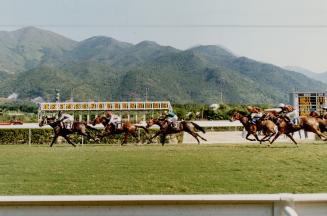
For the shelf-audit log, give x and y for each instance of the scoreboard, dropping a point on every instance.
(306, 102)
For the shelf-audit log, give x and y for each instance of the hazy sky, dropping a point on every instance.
(282, 32)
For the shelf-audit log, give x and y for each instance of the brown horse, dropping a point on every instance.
(109, 129)
(322, 119)
(306, 123)
(266, 125)
(165, 129)
(77, 127)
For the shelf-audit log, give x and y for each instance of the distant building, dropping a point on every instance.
(13, 96)
(38, 100)
(214, 107)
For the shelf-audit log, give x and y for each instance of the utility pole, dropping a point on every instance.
(57, 95)
(146, 93)
(221, 97)
(72, 95)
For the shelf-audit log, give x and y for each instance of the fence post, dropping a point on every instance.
(29, 137)
(287, 205)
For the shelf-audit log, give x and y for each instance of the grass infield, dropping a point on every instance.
(172, 169)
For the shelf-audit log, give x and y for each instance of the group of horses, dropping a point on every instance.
(127, 128)
(272, 125)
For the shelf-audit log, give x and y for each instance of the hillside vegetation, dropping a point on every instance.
(34, 62)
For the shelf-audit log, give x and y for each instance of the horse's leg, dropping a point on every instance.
(134, 134)
(247, 137)
(292, 138)
(69, 141)
(256, 137)
(85, 132)
(54, 140)
(269, 133)
(194, 134)
(200, 136)
(155, 135)
(163, 140)
(125, 139)
(320, 135)
(88, 135)
(276, 136)
(103, 134)
(272, 133)
(264, 139)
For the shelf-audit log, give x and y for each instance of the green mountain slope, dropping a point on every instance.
(26, 48)
(34, 63)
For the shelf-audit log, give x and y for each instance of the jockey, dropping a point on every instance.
(324, 108)
(171, 118)
(66, 120)
(115, 120)
(256, 113)
(289, 113)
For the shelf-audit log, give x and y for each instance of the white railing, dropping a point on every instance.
(166, 205)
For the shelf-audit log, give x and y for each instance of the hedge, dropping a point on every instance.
(45, 136)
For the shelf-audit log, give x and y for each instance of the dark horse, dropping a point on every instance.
(165, 129)
(307, 123)
(127, 128)
(77, 127)
(267, 126)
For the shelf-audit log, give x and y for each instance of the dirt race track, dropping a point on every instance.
(236, 137)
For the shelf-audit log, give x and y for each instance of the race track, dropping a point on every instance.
(236, 137)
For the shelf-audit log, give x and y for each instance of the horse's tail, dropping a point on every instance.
(198, 127)
(144, 128)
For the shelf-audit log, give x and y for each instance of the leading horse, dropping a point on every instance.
(322, 120)
(165, 129)
(109, 129)
(77, 127)
(307, 123)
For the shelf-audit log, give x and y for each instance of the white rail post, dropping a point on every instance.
(289, 211)
(29, 137)
(287, 205)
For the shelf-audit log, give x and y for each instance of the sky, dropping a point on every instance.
(281, 32)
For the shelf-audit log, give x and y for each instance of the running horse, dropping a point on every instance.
(127, 128)
(307, 123)
(322, 119)
(165, 129)
(266, 125)
(77, 127)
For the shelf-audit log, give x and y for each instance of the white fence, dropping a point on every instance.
(167, 205)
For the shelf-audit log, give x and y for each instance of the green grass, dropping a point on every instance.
(153, 169)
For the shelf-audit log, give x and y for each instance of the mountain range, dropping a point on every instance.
(36, 62)
(317, 76)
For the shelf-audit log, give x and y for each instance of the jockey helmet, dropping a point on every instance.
(108, 113)
(324, 107)
(281, 105)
